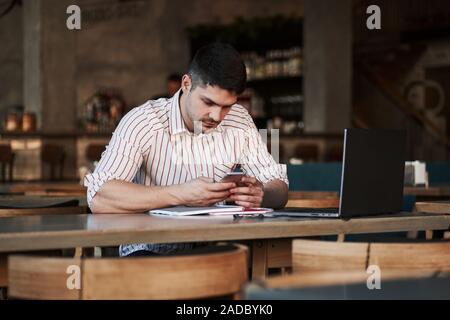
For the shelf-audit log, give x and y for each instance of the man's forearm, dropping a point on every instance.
(117, 196)
(275, 194)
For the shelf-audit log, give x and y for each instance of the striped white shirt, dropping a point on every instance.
(152, 146)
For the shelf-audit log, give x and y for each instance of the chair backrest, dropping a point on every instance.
(334, 154)
(330, 278)
(312, 256)
(94, 152)
(6, 153)
(411, 256)
(33, 277)
(307, 152)
(170, 277)
(6, 160)
(54, 155)
(350, 285)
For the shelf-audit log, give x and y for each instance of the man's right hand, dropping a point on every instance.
(202, 192)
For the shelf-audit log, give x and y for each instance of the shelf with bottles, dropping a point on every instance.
(276, 64)
(102, 112)
(283, 111)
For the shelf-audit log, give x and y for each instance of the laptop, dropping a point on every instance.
(373, 167)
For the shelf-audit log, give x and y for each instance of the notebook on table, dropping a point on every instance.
(218, 210)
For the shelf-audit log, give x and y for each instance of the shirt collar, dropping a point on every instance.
(176, 122)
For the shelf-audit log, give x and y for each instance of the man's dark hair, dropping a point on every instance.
(218, 64)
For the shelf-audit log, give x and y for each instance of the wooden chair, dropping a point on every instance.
(433, 207)
(14, 212)
(307, 152)
(6, 161)
(330, 278)
(327, 263)
(334, 154)
(54, 156)
(94, 152)
(412, 256)
(279, 251)
(172, 277)
(312, 256)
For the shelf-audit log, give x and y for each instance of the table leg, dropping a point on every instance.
(259, 259)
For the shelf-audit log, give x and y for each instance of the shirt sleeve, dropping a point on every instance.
(123, 155)
(257, 161)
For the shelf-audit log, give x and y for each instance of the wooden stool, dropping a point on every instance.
(196, 276)
(6, 160)
(54, 156)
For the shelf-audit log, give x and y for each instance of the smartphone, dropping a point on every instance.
(233, 177)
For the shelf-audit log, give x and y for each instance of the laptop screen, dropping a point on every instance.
(372, 171)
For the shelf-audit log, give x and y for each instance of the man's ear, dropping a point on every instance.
(186, 83)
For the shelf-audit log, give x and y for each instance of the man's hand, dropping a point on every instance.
(250, 195)
(202, 192)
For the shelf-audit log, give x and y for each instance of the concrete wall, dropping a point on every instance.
(135, 53)
(133, 48)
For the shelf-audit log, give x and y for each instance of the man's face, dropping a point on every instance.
(207, 106)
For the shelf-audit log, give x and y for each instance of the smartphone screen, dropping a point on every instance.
(233, 177)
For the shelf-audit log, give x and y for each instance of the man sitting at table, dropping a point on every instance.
(175, 151)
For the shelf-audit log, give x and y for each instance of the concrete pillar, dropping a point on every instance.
(328, 65)
(32, 84)
(49, 75)
(49, 65)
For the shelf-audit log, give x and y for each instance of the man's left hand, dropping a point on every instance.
(249, 193)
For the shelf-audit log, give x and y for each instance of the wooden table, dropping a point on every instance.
(430, 193)
(36, 205)
(69, 231)
(312, 195)
(433, 207)
(45, 188)
(442, 207)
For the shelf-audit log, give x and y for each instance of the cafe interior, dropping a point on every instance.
(70, 70)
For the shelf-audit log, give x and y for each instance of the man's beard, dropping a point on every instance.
(201, 125)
